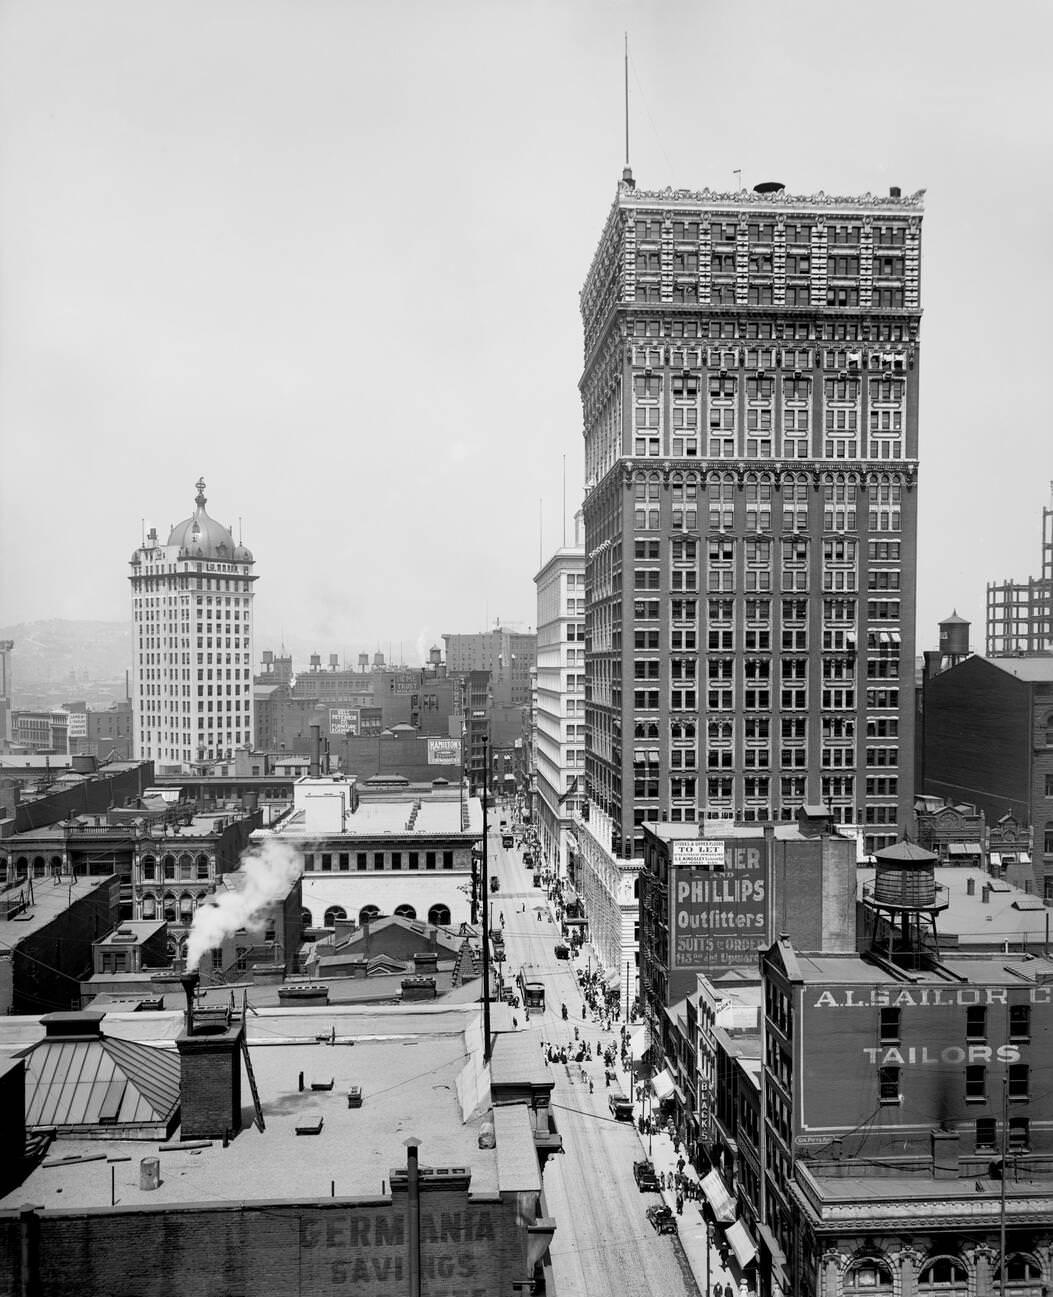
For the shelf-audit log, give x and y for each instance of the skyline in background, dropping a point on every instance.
(328, 257)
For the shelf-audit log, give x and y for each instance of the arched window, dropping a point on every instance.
(171, 948)
(149, 906)
(168, 865)
(149, 867)
(305, 920)
(945, 1275)
(367, 913)
(439, 915)
(39, 867)
(202, 866)
(3, 868)
(21, 866)
(636, 888)
(867, 1276)
(406, 911)
(186, 907)
(332, 914)
(186, 866)
(56, 864)
(168, 907)
(1020, 1271)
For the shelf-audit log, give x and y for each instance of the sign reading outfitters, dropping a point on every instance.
(719, 897)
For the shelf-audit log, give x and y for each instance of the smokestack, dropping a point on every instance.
(190, 983)
(316, 750)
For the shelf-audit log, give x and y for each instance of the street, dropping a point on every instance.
(604, 1242)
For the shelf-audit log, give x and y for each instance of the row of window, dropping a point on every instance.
(326, 862)
(762, 330)
(1019, 1082)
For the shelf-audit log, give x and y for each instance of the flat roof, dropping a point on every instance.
(51, 897)
(1009, 914)
(978, 969)
(407, 1061)
(668, 832)
(141, 929)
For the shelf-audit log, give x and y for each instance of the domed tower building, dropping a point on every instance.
(192, 643)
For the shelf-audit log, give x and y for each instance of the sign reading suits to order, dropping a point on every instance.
(719, 895)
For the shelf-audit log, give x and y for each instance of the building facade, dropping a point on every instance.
(559, 710)
(1020, 613)
(508, 655)
(989, 741)
(750, 393)
(192, 689)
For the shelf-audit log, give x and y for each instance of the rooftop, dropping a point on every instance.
(1031, 668)
(1008, 915)
(408, 1062)
(50, 897)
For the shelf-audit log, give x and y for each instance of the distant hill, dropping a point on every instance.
(67, 658)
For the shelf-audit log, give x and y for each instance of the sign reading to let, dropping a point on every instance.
(719, 893)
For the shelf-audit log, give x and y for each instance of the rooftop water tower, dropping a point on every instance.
(904, 899)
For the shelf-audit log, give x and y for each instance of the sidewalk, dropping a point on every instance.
(658, 1149)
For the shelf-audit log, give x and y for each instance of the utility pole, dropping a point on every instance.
(1005, 1172)
(486, 908)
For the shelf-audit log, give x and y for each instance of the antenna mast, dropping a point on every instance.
(626, 101)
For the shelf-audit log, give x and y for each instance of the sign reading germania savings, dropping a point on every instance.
(719, 896)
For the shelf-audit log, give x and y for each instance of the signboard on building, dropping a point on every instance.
(719, 901)
(444, 752)
(343, 720)
(404, 682)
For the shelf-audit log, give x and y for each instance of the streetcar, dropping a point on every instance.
(531, 987)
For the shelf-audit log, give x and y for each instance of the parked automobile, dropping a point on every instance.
(646, 1180)
(507, 840)
(662, 1219)
(562, 950)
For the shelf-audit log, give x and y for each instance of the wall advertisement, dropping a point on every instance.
(719, 900)
(343, 720)
(444, 752)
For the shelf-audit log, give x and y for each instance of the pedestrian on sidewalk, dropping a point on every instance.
(679, 1204)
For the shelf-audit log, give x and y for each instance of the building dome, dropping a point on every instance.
(200, 536)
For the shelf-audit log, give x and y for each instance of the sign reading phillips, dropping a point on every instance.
(720, 902)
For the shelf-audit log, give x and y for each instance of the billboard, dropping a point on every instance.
(718, 894)
(343, 720)
(444, 752)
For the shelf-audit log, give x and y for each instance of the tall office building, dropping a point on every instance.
(192, 643)
(750, 397)
(559, 712)
(509, 656)
(1020, 613)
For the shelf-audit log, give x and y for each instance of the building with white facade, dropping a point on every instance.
(369, 851)
(192, 643)
(559, 707)
(609, 890)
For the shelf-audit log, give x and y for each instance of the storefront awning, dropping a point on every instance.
(718, 1197)
(662, 1085)
(639, 1041)
(741, 1243)
(614, 979)
(964, 848)
(574, 922)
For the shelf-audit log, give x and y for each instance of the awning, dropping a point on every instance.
(741, 1243)
(662, 1085)
(718, 1197)
(639, 1041)
(964, 848)
(575, 923)
(614, 978)
(996, 859)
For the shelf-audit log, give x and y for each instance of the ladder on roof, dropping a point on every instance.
(251, 1075)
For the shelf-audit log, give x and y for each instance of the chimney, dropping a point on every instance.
(210, 1052)
(894, 191)
(985, 895)
(418, 988)
(316, 751)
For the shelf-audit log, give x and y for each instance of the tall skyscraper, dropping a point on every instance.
(559, 713)
(1020, 613)
(750, 398)
(192, 643)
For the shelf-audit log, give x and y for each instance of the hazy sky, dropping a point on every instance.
(328, 255)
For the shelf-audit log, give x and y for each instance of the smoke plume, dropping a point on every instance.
(264, 875)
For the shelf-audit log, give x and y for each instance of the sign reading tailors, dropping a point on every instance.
(444, 752)
(719, 895)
